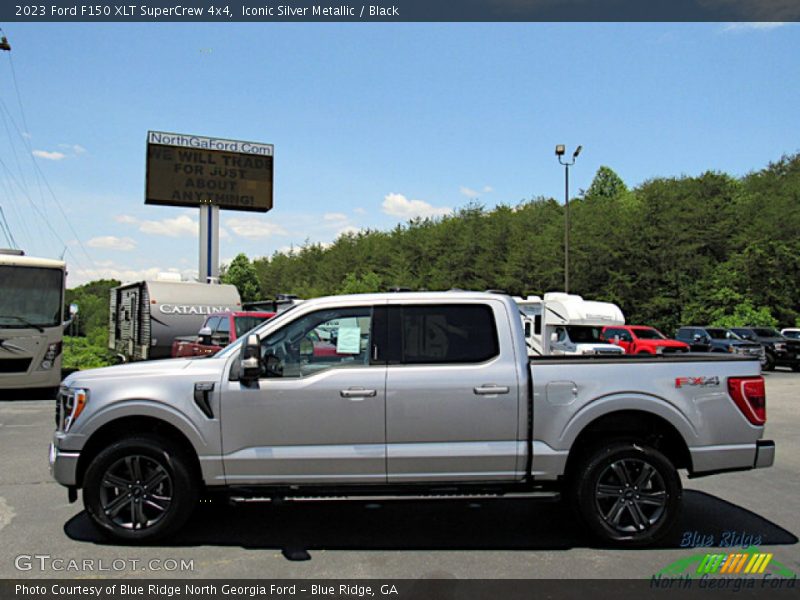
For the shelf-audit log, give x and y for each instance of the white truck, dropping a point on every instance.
(565, 324)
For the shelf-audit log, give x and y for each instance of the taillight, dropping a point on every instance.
(750, 396)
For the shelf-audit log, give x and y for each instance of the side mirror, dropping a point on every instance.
(250, 361)
(73, 312)
(221, 339)
(204, 332)
(554, 337)
(697, 337)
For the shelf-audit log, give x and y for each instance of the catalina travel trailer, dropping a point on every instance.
(145, 316)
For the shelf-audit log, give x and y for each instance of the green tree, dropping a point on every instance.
(244, 276)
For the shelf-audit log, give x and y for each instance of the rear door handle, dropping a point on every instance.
(490, 389)
(357, 393)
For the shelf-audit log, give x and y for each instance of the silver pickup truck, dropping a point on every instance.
(404, 394)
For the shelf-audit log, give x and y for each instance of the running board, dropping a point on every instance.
(550, 496)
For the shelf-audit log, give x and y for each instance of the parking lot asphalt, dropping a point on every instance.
(43, 536)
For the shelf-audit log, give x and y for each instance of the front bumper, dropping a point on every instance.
(64, 466)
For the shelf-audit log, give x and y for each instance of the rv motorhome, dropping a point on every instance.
(145, 316)
(31, 320)
(566, 324)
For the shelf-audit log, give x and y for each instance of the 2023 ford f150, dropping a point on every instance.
(426, 394)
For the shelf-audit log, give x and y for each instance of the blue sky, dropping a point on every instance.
(372, 123)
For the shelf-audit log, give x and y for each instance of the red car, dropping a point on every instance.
(640, 339)
(219, 330)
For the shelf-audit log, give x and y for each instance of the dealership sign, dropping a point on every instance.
(191, 170)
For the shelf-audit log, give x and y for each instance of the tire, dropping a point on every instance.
(796, 368)
(616, 513)
(132, 512)
(769, 362)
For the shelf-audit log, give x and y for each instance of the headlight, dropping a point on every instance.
(732, 349)
(53, 350)
(780, 346)
(74, 404)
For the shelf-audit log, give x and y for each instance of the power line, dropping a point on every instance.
(6, 230)
(39, 212)
(40, 174)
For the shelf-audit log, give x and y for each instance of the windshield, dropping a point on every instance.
(234, 347)
(245, 324)
(648, 333)
(766, 332)
(31, 296)
(583, 334)
(722, 334)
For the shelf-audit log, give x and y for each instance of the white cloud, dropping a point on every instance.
(398, 205)
(124, 273)
(111, 242)
(180, 226)
(754, 26)
(252, 228)
(470, 193)
(75, 148)
(290, 250)
(349, 229)
(334, 217)
(49, 155)
(359, 211)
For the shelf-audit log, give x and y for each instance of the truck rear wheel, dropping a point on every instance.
(627, 493)
(140, 489)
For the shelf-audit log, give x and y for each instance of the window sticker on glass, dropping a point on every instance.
(348, 340)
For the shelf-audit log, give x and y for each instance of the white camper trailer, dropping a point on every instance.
(566, 324)
(145, 316)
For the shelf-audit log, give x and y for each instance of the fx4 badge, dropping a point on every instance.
(701, 381)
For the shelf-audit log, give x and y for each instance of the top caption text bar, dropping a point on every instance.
(193, 11)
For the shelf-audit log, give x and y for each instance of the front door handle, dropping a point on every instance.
(357, 393)
(490, 389)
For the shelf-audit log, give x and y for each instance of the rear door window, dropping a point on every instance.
(451, 333)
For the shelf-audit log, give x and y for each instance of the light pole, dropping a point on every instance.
(560, 149)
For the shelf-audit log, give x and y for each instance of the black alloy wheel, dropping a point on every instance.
(136, 492)
(141, 488)
(628, 493)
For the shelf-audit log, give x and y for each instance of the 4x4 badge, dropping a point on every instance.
(701, 381)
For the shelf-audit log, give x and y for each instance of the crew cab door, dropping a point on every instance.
(317, 414)
(452, 393)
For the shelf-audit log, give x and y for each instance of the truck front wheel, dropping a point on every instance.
(627, 493)
(140, 489)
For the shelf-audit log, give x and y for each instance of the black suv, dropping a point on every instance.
(718, 339)
(779, 351)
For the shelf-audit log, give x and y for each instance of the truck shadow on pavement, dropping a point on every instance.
(297, 528)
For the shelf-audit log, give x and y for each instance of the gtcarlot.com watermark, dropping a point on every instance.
(49, 563)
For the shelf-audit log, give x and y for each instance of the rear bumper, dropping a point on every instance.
(765, 454)
(708, 460)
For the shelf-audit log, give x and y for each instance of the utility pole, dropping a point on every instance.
(560, 150)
